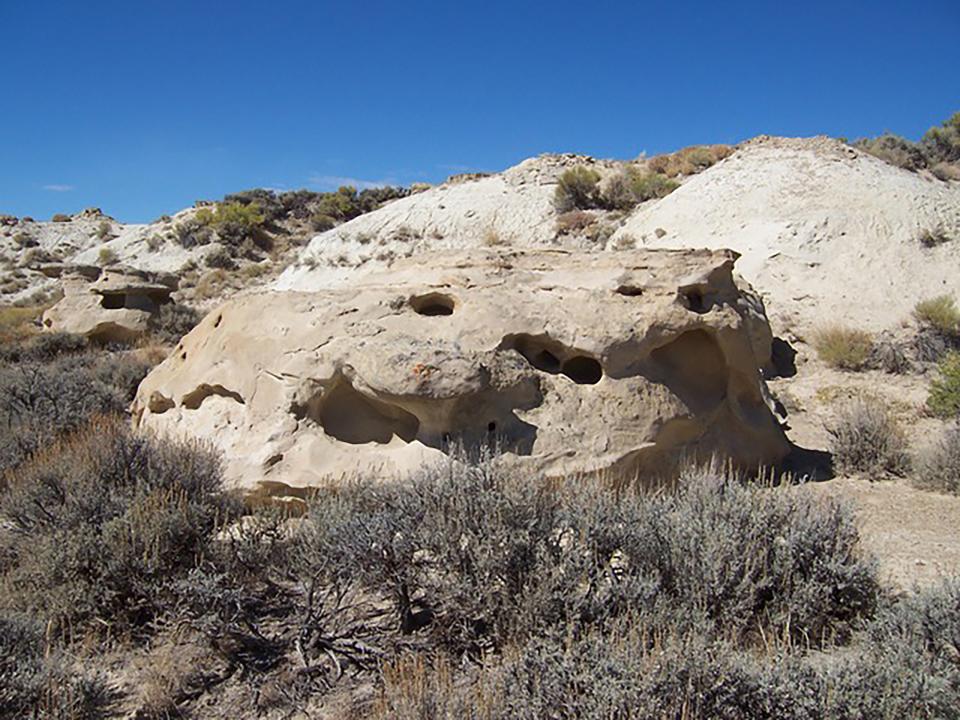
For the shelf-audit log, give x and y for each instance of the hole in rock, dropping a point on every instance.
(433, 304)
(583, 370)
(216, 323)
(491, 427)
(630, 290)
(352, 417)
(693, 300)
(552, 357)
(194, 399)
(784, 358)
(112, 302)
(694, 368)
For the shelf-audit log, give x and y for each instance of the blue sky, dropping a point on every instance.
(142, 107)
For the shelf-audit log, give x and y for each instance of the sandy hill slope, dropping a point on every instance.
(512, 208)
(826, 232)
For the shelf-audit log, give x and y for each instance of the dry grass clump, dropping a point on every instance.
(107, 256)
(19, 323)
(939, 313)
(939, 467)
(574, 221)
(946, 171)
(868, 439)
(842, 347)
(689, 160)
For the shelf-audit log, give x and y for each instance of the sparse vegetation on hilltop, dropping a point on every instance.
(688, 161)
(938, 149)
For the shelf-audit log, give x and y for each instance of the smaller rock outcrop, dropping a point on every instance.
(110, 304)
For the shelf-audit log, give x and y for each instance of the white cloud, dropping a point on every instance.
(56, 187)
(332, 182)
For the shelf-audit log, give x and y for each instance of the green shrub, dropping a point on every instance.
(939, 467)
(192, 233)
(652, 185)
(843, 348)
(482, 558)
(906, 668)
(867, 438)
(102, 522)
(942, 144)
(173, 321)
(234, 223)
(61, 218)
(944, 397)
(939, 313)
(104, 230)
(341, 205)
(41, 399)
(219, 257)
(320, 222)
(43, 347)
(894, 150)
(632, 186)
(577, 189)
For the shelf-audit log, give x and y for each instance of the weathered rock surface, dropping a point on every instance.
(115, 303)
(568, 362)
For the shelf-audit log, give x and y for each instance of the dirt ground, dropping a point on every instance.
(915, 534)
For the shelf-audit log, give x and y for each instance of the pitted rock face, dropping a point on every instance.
(567, 362)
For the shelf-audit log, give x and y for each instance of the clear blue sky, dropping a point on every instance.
(142, 107)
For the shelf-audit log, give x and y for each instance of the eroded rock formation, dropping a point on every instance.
(112, 304)
(569, 362)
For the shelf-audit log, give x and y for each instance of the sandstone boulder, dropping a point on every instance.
(113, 304)
(565, 362)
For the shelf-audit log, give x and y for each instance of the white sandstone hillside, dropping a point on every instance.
(88, 238)
(513, 208)
(827, 233)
